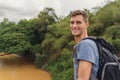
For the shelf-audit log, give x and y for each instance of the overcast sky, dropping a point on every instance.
(15, 10)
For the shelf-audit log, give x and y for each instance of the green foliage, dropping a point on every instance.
(105, 17)
(116, 43)
(39, 60)
(113, 32)
(45, 18)
(57, 37)
(13, 38)
(61, 68)
(13, 43)
(6, 23)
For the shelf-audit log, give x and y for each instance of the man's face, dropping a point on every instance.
(77, 25)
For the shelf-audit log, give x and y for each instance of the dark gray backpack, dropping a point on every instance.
(109, 63)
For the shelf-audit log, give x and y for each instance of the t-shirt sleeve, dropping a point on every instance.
(86, 52)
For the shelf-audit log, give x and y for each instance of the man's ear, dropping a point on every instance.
(87, 24)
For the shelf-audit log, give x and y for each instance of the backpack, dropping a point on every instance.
(109, 63)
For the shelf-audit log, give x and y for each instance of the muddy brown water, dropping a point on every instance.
(13, 67)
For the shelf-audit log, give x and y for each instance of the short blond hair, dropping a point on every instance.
(79, 12)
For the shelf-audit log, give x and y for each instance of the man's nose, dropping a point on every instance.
(74, 25)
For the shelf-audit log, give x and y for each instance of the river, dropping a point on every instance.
(13, 67)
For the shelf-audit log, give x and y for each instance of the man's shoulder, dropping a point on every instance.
(88, 42)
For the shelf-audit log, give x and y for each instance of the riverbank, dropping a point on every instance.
(13, 67)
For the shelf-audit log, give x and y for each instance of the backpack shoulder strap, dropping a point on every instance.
(91, 38)
(101, 42)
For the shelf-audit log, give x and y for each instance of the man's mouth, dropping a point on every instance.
(75, 30)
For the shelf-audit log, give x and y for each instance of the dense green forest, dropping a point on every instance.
(47, 39)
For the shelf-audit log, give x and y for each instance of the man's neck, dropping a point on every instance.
(79, 38)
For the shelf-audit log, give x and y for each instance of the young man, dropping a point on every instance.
(85, 56)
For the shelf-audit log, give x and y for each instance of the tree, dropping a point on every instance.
(113, 32)
(105, 17)
(11, 40)
(45, 18)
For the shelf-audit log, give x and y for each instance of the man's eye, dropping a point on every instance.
(72, 22)
(78, 22)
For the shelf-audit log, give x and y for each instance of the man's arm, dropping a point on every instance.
(84, 70)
